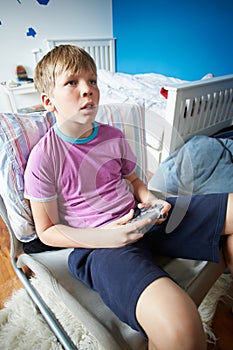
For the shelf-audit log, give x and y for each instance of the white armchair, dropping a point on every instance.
(18, 134)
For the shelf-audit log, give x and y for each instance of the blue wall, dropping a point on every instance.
(180, 38)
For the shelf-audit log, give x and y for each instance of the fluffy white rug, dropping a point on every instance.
(22, 327)
(208, 306)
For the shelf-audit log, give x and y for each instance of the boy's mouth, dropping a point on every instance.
(88, 105)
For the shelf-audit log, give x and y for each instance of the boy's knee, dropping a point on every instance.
(178, 335)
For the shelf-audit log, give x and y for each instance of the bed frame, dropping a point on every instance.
(102, 50)
(199, 107)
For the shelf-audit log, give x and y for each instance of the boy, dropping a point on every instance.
(110, 255)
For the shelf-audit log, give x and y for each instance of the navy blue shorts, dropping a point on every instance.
(120, 275)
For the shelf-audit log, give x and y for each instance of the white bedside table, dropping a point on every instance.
(22, 98)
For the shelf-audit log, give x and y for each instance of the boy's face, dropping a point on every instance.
(75, 97)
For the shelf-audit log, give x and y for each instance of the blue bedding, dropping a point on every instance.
(202, 165)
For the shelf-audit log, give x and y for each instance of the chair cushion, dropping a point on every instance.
(85, 305)
(130, 119)
(20, 132)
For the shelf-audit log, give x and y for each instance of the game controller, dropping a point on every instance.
(152, 213)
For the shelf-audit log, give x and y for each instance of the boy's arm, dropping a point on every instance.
(144, 196)
(52, 233)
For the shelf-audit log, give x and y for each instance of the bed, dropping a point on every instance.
(176, 110)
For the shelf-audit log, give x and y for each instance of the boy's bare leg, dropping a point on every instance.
(228, 252)
(169, 317)
(228, 230)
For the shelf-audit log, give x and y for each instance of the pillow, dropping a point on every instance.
(20, 132)
(130, 119)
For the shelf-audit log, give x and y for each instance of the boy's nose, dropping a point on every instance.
(87, 93)
(86, 90)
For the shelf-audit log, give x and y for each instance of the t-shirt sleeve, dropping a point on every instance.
(39, 182)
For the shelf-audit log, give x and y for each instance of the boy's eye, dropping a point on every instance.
(71, 83)
(93, 82)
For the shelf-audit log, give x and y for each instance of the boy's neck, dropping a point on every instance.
(79, 132)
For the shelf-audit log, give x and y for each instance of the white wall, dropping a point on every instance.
(58, 19)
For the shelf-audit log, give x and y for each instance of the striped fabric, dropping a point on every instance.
(130, 119)
(20, 132)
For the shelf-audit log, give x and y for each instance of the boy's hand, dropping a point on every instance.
(122, 221)
(122, 234)
(164, 211)
(125, 234)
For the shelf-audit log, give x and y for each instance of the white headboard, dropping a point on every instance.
(101, 50)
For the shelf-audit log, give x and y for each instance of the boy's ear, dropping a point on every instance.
(47, 103)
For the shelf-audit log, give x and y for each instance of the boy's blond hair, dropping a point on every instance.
(63, 58)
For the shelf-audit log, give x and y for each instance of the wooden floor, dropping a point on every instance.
(222, 323)
(8, 279)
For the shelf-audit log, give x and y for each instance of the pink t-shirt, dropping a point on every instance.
(86, 176)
